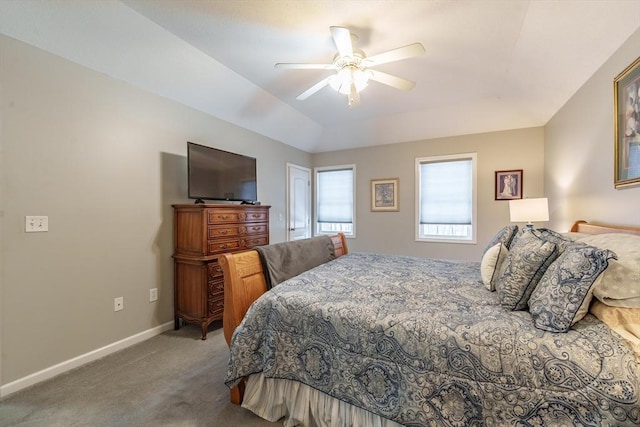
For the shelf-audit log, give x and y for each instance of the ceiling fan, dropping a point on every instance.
(353, 67)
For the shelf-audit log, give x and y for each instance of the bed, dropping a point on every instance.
(517, 338)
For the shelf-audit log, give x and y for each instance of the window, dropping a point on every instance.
(335, 200)
(446, 198)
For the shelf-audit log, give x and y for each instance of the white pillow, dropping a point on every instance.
(619, 284)
(490, 265)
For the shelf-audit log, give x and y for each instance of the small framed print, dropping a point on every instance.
(508, 185)
(384, 195)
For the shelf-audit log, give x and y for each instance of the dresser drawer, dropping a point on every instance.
(232, 230)
(216, 307)
(222, 231)
(250, 242)
(256, 215)
(214, 270)
(218, 247)
(216, 289)
(254, 229)
(230, 216)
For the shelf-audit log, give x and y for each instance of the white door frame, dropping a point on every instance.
(290, 167)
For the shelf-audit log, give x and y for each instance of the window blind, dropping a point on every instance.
(335, 196)
(446, 192)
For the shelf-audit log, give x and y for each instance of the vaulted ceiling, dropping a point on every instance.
(489, 64)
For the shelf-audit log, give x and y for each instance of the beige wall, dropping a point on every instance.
(579, 157)
(104, 161)
(394, 232)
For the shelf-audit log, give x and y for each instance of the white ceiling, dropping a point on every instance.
(489, 64)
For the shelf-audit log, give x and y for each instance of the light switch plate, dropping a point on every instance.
(35, 224)
(118, 304)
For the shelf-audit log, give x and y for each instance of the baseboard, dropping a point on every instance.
(70, 364)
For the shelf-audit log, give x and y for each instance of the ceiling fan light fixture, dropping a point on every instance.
(341, 81)
(360, 78)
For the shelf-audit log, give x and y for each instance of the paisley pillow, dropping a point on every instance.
(523, 267)
(564, 292)
(552, 236)
(504, 236)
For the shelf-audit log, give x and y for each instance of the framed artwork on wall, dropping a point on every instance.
(384, 195)
(626, 95)
(508, 184)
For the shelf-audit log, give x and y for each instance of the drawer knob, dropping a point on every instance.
(223, 216)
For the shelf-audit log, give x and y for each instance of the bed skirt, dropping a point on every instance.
(301, 405)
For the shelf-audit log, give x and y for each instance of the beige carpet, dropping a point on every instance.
(173, 379)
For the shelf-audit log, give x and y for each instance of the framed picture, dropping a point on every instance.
(384, 195)
(508, 184)
(626, 95)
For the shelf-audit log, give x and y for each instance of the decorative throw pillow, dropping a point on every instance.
(564, 292)
(523, 267)
(504, 236)
(619, 285)
(552, 236)
(490, 265)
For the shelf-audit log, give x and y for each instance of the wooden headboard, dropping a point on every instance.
(595, 228)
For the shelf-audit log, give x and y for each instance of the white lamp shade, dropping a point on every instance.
(529, 210)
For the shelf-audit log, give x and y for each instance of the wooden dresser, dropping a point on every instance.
(201, 233)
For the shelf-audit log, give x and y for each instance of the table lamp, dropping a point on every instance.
(529, 210)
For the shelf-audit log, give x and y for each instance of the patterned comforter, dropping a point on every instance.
(422, 342)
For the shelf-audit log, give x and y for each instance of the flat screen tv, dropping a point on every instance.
(220, 175)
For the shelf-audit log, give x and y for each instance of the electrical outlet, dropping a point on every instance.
(153, 294)
(34, 224)
(118, 304)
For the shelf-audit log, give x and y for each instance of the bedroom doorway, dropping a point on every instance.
(298, 202)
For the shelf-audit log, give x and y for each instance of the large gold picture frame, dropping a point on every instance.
(626, 94)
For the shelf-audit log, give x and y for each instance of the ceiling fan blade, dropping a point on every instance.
(295, 66)
(397, 54)
(390, 80)
(342, 39)
(313, 89)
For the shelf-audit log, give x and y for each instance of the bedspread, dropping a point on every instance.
(422, 342)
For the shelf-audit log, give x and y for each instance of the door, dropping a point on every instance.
(298, 202)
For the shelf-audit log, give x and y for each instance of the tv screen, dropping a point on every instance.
(220, 175)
